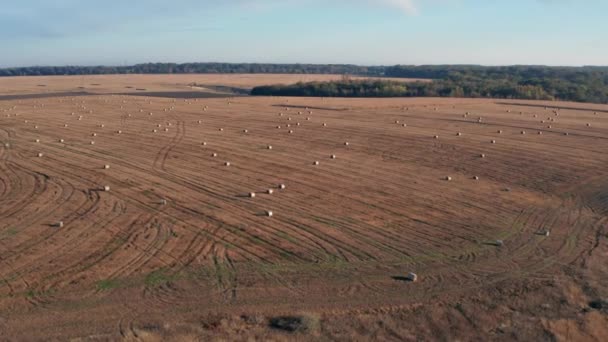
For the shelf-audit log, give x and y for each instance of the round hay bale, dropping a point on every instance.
(482, 155)
(61, 140)
(448, 178)
(37, 140)
(290, 132)
(227, 164)
(413, 277)
(251, 194)
(523, 132)
(106, 188)
(324, 125)
(106, 167)
(346, 143)
(476, 178)
(92, 142)
(333, 156)
(269, 213)
(269, 147)
(436, 137)
(458, 134)
(282, 186)
(40, 154)
(214, 155)
(93, 134)
(270, 191)
(316, 162)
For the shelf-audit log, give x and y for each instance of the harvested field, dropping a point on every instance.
(177, 247)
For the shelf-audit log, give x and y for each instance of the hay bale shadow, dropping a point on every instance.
(293, 324)
(401, 278)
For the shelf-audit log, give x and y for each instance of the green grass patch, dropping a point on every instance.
(107, 284)
(159, 278)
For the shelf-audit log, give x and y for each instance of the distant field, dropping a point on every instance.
(104, 84)
(178, 249)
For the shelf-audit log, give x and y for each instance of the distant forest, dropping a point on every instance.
(582, 84)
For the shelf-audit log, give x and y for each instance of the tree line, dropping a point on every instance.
(584, 84)
(196, 68)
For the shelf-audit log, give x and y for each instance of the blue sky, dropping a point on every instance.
(371, 32)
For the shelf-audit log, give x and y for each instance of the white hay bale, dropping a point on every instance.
(93, 134)
(251, 194)
(106, 188)
(214, 155)
(227, 164)
(499, 131)
(166, 129)
(346, 143)
(588, 125)
(288, 125)
(297, 124)
(40, 154)
(59, 224)
(106, 167)
(245, 131)
(269, 213)
(290, 132)
(199, 122)
(493, 141)
(269, 147)
(221, 129)
(396, 121)
(154, 131)
(307, 119)
(499, 243)
(37, 140)
(458, 134)
(413, 277)
(482, 155)
(118, 132)
(436, 137)
(316, 162)
(566, 133)
(476, 178)
(404, 125)
(540, 133)
(448, 178)
(333, 156)
(324, 124)
(204, 143)
(61, 141)
(282, 186)
(523, 132)
(92, 142)
(278, 127)
(270, 191)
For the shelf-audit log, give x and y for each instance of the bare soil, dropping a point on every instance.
(177, 250)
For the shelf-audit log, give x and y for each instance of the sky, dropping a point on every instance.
(364, 32)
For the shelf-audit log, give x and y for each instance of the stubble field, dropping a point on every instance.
(177, 248)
